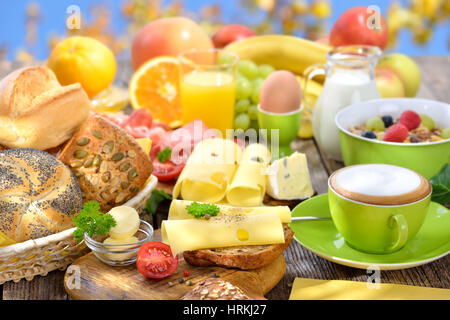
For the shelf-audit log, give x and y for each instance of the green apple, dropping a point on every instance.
(388, 84)
(405, 68)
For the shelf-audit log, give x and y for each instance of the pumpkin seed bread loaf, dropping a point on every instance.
(215, 289)
(39, 195)
(109, 164)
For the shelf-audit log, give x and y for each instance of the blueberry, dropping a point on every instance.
(369, 135)
(388, 121)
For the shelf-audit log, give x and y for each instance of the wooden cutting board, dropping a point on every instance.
(99, 281)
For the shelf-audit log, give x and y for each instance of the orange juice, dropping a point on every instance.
(208, 96)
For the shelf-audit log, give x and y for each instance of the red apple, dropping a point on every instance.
(231, 33)
(169, 37)
(360, 25)
(388, 84)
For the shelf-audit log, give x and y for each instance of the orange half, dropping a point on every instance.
(155, 86)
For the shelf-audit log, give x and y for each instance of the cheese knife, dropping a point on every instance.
(309, 218)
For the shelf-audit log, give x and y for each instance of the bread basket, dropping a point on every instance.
(40, 256)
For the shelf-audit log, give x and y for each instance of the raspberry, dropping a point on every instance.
(410, 119)
(396, 133)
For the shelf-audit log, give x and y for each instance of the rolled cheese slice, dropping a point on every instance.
(249, 183)
(222, 231)
(177, 211)
(208, 171)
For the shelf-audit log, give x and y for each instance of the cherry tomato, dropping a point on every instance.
(166, 171)
(155, 260)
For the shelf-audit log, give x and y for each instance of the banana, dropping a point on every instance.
(283, 52)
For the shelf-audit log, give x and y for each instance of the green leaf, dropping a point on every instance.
(91, 221)
(441, 186)
(165, 154)
(199, 210)
(156, 198)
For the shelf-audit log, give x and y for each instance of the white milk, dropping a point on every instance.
(378, 180)
(341, 88)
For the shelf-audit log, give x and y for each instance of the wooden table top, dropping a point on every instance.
(300, 262)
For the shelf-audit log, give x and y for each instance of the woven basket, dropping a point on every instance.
(40, 256)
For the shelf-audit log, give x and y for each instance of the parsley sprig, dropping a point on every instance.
(199, 210)
(165, 154)
(91, 221)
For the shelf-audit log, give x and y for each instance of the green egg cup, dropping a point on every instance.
(287, 125)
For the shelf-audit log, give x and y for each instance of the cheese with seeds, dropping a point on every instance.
(178, 211)
(289, 179)
(222, 231)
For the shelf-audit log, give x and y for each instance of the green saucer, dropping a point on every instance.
(321, 237)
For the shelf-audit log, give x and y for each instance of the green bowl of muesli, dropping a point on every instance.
(426, 154)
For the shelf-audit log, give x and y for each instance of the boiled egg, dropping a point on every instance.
(280, 93)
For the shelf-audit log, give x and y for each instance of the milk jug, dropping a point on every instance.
(349, 78)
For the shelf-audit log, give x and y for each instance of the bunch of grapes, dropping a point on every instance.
(248, 85)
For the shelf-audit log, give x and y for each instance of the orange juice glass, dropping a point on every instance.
(207, 87)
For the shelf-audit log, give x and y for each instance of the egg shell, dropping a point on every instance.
(280, 93)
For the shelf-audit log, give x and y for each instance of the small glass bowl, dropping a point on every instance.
(120, 254)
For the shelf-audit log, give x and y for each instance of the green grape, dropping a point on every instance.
(445, 133)
(375, 124)
(241, 106)
(254, 124)
(265, 70)
(427, 122)
(244, 89)
(240, 76)
(248, 68)
(242, 121)
(225, 59)
(254, 97)
(253, 112)
(257, 82)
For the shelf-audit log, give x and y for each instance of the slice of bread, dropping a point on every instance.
(215, 289)
(242, 257)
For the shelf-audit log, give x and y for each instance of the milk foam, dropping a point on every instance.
(378, 180)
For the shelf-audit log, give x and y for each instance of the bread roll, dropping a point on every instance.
(215, 289)
(110, 165)
(39, 195)
(37, 112)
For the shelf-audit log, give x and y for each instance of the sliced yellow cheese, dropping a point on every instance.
(249, 183)
(315, 289)
(145, 143)
(222, 231)
(177, 211)
(5, 240)
(208, 171)
(289, 178)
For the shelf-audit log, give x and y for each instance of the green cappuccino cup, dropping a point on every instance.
(377, 208)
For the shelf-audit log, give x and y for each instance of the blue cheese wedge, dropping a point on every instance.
(288, 178)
